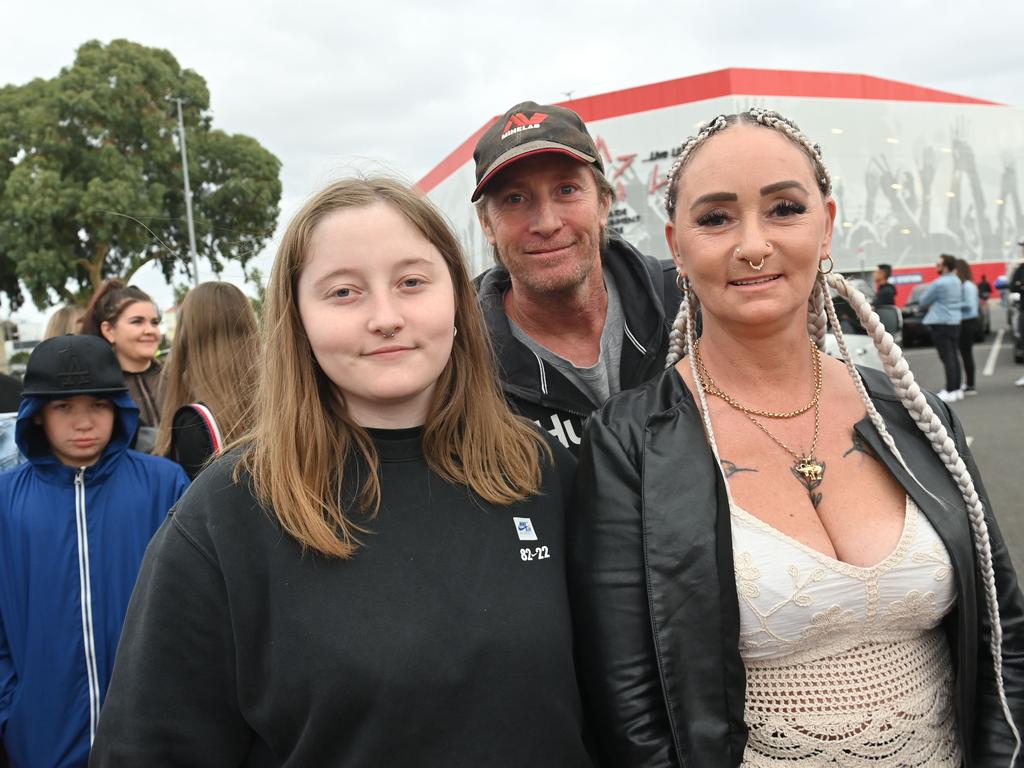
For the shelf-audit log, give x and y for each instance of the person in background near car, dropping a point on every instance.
(984, 288)
(575, 313)
(942, 300)
(376, 577)
(209, 380)
(129, 320)
(1016, 285)
(75, 520)
(969, 321)
(67, 319)
(885, 292)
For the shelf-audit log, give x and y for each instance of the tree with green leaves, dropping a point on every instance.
(91, 176)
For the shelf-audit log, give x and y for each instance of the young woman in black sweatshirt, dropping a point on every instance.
(376, 576)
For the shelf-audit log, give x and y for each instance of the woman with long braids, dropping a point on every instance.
(778, 559)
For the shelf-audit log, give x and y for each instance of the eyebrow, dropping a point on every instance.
(778, 186)
(715, 197)
(730, 197)
(343, 271)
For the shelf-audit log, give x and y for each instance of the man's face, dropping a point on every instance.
(78, 428)
(879, 277)
(544, 216)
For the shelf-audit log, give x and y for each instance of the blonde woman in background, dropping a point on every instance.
(376, 576)
(779, 559)
(67, 319)
(209, 379)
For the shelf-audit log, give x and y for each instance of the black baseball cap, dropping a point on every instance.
(528, 129)
(70, 365)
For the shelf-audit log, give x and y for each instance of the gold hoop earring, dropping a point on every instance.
(831, 265)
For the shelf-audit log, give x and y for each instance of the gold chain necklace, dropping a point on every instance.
(807, 468)
(712, 389)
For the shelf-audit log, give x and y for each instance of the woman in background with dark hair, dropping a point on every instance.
(969, 320)
(128, 319)
(209, 379)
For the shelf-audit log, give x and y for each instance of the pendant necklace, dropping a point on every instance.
(807, 468)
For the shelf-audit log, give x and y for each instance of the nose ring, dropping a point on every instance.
(760, 265)
(389, 335)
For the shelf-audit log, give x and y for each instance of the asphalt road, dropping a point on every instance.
(994, 423)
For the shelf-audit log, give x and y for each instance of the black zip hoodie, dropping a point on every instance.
(538, 390)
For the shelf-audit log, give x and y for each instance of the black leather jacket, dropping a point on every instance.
(654, 591)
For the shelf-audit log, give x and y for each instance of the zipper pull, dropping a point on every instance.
(80, 476)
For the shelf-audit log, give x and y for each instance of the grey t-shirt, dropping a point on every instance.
(601, 380)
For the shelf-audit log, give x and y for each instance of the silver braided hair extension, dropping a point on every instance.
(817, 320)
(678, 338)
(847, 290)
(691, 323)
(928, 422)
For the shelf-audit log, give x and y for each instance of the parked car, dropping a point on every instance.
(862, 348)
(916, 332)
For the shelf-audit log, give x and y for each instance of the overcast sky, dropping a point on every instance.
(336, 87)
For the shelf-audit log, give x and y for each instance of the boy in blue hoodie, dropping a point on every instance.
(74, 523)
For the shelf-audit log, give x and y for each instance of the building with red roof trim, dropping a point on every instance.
(916, 171)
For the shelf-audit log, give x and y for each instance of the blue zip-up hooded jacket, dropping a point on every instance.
(71, 542)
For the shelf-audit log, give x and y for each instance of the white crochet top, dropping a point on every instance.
(845, 665)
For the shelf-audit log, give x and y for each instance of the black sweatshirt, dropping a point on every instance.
(445, 641)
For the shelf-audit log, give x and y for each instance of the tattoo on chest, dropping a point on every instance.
(730, 468)
(810, 472)
(859, 446)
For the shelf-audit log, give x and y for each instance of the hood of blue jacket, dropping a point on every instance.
(32, 442)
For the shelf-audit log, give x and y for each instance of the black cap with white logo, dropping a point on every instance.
(70, 365)
(529, 129)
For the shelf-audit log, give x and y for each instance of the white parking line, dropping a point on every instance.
(990, 362)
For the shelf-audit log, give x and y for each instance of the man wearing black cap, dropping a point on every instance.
(575, 313)
(75, 520)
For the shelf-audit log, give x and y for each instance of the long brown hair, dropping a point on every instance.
(302, 435)
(214, 353)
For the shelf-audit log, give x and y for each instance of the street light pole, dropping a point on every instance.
(188, 198)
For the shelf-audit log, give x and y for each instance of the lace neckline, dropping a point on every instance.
(906, 539)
